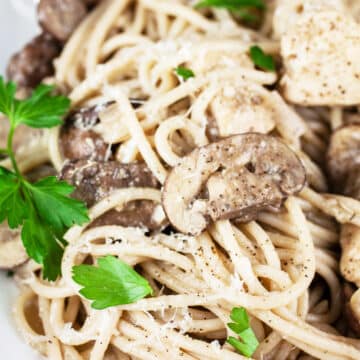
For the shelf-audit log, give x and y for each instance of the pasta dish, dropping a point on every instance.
(200, 198)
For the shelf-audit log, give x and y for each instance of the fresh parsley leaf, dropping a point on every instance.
(12, 205)
(40, 110)
(260, 59)
(248, 343)
(44, 209)
(7, 96)
(43, 245)
(240, 317)
(231, 4)
(112, 283)
(184, 72)
(55, 207)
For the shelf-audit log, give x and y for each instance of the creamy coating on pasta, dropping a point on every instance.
(283, 266)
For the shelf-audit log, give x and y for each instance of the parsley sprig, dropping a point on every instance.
(111, 283)
(248, 343)
(261, 60)
(43, 209)
(247, 10)
(231, 4)
(184, 72)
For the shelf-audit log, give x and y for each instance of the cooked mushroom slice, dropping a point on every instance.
(34, 62)
(233, 178)
(61, 17)
(95, 179)
(78, 140)
(344, 159)
(12, 252)
(138, 213)
(319, 55)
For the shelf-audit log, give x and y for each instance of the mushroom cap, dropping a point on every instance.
(96, 179)
(343, 159)
(233, 178)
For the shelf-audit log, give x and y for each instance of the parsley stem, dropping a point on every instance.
(10, 151)
(4, 151)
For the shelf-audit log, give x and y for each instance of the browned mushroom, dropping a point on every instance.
(34, 62)
(12, 252)
(95, 180)
(233, 178)
(344, 160)
(138, 213)
(78, 140)
(61, 17)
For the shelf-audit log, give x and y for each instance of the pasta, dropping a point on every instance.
(282, 267)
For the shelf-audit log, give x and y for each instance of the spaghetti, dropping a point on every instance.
(283, 268)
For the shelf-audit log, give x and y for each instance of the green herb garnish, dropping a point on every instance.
(44, 208)
(261, 60)
(112, 283)
(248, 343)
(231, 4)
(184, 72)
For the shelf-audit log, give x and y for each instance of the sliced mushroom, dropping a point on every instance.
(78, 140)
(138, 213)
(343, 160)
(12, 252)
(236, 177)
(61, 17)
(34, 62)
(320, 58)
(95, 180)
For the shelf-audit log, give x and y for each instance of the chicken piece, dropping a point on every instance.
(248, 107)
(320, 57)
(243, 107)
(288, 13)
